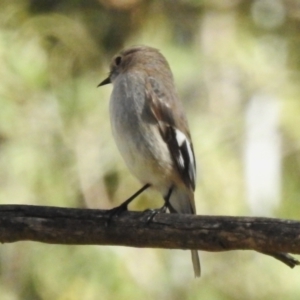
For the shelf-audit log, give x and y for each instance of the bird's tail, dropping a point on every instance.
(182, 202)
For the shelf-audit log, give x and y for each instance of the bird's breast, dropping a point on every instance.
(137, 136)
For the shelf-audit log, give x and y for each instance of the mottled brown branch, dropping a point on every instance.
(55, 225)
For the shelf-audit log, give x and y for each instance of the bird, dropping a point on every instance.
(151, 131)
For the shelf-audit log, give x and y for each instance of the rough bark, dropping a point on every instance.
(55, 225)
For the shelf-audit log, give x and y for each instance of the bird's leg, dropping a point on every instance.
(167, 198)
(124, 206)
(166, 205)
(163, 209)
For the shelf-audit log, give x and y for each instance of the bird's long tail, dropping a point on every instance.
(182, 202)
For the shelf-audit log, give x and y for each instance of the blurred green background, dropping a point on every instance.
(236, 65)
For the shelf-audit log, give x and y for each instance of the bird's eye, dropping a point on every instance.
(118, 60)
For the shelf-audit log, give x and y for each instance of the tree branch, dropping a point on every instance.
(54, 225)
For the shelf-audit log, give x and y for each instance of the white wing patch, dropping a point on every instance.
(191, 155)
(180, 137)
(185, 150)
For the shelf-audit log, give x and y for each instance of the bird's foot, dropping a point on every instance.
(124, 206)
(151, 213)
(116, 211)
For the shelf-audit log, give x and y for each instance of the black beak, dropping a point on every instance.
(104, 82)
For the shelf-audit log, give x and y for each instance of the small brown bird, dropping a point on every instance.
(151, 130)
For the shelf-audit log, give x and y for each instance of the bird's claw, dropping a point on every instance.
(116, 211)
(153, 212)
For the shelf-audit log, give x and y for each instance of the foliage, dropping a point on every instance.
(56, 147)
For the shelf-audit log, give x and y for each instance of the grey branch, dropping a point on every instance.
(56, 225)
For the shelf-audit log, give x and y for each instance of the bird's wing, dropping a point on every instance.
(173, 129)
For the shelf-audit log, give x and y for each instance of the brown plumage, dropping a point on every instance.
(151, 130)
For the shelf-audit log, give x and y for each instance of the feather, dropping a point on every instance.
(174, 131)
